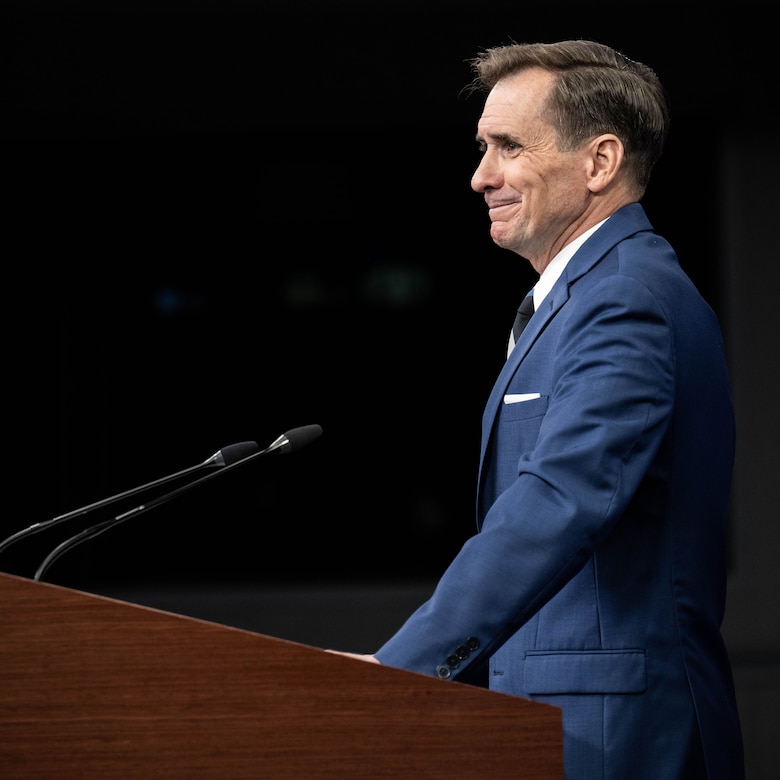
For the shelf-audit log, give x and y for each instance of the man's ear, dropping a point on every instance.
(605, 160)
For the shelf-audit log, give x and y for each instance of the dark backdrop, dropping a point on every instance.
(230, 219)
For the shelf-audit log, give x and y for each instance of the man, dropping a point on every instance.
(597, 579)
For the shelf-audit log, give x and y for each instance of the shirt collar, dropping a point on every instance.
(555, 267)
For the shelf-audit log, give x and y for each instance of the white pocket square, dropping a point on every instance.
(516, 398)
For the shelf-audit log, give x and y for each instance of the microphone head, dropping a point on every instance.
(234, 453)
(300, 437)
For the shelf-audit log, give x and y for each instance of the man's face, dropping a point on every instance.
(536, 194)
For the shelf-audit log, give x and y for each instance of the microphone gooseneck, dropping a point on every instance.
(233, 456)
(223, 457)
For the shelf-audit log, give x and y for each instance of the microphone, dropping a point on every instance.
(230, 454)
(294, 440)
(287, 443)
(224, 457)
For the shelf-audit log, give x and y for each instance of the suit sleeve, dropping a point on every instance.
(556, 483)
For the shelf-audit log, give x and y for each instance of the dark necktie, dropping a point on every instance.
(524, 313)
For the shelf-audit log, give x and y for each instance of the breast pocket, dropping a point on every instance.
(518, 430)
(523, 410)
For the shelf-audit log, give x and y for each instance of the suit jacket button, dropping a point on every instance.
(472, 643)
(443, 671)
(453, 661)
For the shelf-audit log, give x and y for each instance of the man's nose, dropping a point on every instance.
(487, 176)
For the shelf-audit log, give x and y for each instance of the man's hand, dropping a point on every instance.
(357, 656)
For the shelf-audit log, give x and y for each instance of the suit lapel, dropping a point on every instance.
(625, 222)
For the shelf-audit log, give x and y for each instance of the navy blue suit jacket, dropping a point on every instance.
(597, 579)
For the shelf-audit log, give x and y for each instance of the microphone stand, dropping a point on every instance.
(287, 442)
(218, 459)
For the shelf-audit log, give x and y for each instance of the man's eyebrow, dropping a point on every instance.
(500, 137)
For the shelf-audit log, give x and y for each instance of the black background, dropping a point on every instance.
(227, 220)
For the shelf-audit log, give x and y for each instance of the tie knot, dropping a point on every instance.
(526, 307)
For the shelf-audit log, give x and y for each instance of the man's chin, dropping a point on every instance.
(500, 235)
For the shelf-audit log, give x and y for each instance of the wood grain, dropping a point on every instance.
(91, 687)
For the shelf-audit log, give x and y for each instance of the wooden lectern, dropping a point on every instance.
(92, 687)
